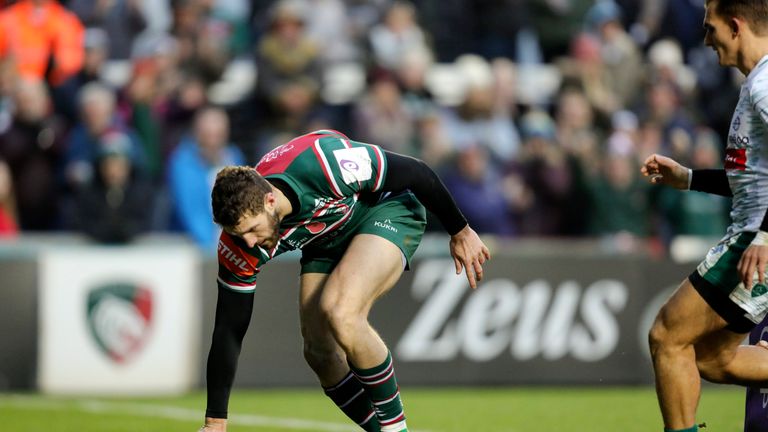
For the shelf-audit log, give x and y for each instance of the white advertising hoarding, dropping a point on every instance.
(119, 320)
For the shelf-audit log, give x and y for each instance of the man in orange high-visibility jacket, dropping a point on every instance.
(36, 32)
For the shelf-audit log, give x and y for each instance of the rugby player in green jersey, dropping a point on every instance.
(357, 213)
(698, 332)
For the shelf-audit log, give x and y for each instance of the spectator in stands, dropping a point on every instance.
(289, 74)
(696, 213)
(556, 22)
(117, 204)
(548, 172)
(398, 33)
(204, 40)
(122, 20)
(478, 120)
(97, 106)
(180, 109)
(381, 116)
(192, 170)
(620, 207)
(476, 186)
(42, 39)
(329, 27)
(32, 148)
(8, 226)
(584, 69)
(621, 58)
(96, 48)
(411, 77)
(663, 106)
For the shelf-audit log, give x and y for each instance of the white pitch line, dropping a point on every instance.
(173, 413)
(170, 412)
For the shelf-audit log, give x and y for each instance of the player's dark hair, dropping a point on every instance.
(238, 191)
(754, 12)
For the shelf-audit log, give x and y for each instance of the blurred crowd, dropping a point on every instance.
(115, 115)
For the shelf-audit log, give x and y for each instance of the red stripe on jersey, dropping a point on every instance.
(277, 160)
(324, 164)
(236, 260)
(380, 164)
(736, 159)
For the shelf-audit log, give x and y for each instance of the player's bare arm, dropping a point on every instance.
(663, 170)
(470, 253)
(755, 258)
(214, 425)
(467, 250)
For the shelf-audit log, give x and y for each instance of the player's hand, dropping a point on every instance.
(753, 260)
(214, 425)
(663, 170)
(470, 253)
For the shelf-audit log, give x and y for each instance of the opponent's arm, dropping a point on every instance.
(663, 170)
(233, 314)
(468, 251)
(714, 181)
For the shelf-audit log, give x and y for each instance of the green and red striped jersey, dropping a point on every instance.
(335, 179)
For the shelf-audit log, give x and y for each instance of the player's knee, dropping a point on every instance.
(658, 336)
(342, 320)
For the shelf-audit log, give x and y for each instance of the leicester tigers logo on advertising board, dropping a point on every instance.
(119, 318)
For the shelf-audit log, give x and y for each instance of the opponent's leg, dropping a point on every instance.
(684, 320)
(722, 359)
(370, 267)
(328, 360)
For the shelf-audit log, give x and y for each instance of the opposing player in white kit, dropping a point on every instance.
(699, 330)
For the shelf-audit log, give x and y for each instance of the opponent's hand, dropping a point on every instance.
(663, 170)
(214, 425)
(753, 260)
(470, 253)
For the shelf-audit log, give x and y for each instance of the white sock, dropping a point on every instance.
(397, 427)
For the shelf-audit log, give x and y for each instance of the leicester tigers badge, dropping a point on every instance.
(120, 318)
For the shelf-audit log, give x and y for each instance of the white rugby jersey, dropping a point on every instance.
(746, 158)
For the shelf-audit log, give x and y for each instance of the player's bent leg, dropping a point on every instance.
(681, 322)
(722, 359)
(370, 267)
(322, 353)
(327, 359)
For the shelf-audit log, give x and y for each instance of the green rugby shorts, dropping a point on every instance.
(399, 218)
(718, 282)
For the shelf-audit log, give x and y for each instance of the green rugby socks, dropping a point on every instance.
(693, 428)
(352, 400)
(381, 385)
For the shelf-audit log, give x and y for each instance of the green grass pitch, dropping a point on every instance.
(508, 409)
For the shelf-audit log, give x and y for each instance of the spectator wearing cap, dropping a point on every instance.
(97, 112)
(192, 170)
(34, 32)
(122, 20)
(116, 205)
